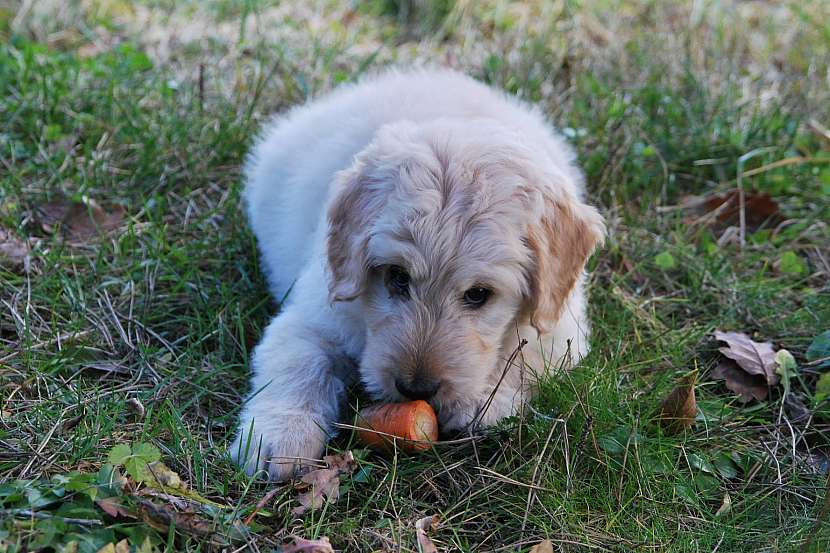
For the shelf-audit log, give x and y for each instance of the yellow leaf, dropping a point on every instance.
(542, 547)
(163, 478)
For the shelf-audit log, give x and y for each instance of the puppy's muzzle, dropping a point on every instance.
(418, 388)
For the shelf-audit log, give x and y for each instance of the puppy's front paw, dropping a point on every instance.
(277, 443)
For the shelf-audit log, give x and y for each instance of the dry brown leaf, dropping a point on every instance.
(736, 379)
(345, 463)
(724, 209)
(12, 249)
(323, 485)
(51, 214)
(423, 525)
(135, 406)
(756, 358)
(758, 207)
(190, 522)
(678, 410)
(80, 221)
(302, 545)
(544, 546)
(112, 507)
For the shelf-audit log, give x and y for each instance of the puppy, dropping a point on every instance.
(415, 226)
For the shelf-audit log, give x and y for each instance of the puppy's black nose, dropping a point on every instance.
(418, 389)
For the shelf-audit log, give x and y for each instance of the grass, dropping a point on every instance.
(662, 101)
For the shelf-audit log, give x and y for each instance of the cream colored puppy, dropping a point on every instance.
(418, 225)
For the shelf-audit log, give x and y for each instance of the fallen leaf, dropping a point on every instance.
(747, 386)
(344, 463)
(755, 358)
(323, 485)
(724, 209)
(725, 507)
(423, 525)
(51, 214)
(191, 522)
(302, 545)
(160, 475)
(678, 410)
(80, 221)
(134, 405)
(112, 507)
(12, 249)
(818, 353)
(544, 546)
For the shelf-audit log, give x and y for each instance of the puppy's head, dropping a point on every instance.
(450, 236)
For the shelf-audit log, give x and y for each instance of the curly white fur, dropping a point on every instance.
(431, 173)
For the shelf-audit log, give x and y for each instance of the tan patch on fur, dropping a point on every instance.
(561, 244)
(346, 245)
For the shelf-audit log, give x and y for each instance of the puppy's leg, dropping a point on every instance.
(294, 398)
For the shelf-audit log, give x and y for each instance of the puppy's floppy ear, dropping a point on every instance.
(561, 242)
(354, 206)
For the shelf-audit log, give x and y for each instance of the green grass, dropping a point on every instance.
(173, 301)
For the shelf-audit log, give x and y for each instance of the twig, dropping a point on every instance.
(41, 515)
(483, 409)
(507, 480)
(262, 503)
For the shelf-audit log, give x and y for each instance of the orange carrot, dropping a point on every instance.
(414, 421)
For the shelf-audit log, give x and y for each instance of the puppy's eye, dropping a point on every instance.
(476, 297)
(398, 280)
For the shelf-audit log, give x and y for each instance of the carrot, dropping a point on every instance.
(413, 421)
